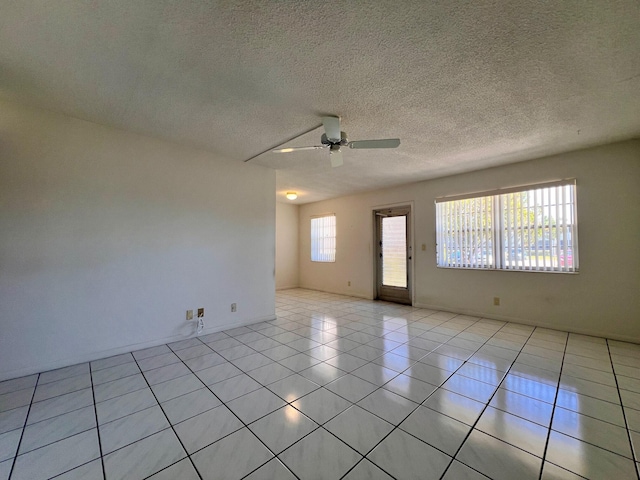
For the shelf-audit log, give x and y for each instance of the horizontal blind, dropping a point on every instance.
(323, 239)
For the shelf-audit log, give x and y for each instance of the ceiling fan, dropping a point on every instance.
(334, 139)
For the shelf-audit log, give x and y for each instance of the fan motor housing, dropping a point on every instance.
(343, 140)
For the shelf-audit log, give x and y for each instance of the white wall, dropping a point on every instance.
(603, 299)
(107, 238)
(286, 245)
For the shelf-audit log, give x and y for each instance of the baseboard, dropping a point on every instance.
(110, 352)
(532, 322)
(287, 288)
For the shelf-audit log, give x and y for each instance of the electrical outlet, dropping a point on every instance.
(234, 307)
(349, 283)
(189, 315)
(496, 301)
(200, 312)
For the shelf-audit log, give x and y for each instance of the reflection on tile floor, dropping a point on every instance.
(336, 387)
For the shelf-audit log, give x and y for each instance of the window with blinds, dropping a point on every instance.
(531, 228)
(323, 238)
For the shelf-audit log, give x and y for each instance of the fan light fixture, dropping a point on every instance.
(292, 195)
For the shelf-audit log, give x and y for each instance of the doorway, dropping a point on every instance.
(393, 254)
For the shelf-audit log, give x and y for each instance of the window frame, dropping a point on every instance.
(501, 247)
(318, 255)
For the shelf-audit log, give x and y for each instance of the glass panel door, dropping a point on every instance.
(393, 254)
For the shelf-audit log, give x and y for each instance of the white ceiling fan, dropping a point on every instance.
(334, 139)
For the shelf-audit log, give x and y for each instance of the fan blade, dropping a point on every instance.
(297, 149)
(336, 158)
(386, 143)
(332, 128)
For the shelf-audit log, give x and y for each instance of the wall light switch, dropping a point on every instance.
(424, 247)
(189, 315)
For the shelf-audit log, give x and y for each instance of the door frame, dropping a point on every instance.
(410, 240)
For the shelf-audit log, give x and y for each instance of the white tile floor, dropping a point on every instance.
(336, 387)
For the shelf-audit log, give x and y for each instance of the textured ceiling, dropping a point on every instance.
(464, 84)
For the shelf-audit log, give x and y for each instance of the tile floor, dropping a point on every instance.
(336, 387)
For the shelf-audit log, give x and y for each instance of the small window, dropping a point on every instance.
(531, 228)
(323, 238)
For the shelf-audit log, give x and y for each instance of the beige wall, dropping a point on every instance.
(286, 245)
(107, 238)
(603, 299)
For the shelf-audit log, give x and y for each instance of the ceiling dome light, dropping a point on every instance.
(292, 195)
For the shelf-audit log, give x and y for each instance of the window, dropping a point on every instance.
(528, 228)
(323, 238)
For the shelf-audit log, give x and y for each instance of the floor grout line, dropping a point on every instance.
(24, 427)
(244, 425)
(95, 411)
(486, 404)
(553, 409)
(170, 426)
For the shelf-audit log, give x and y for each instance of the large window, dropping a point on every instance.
(323, 238)
(529, 228)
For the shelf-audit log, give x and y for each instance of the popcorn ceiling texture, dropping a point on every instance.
(464, 84)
